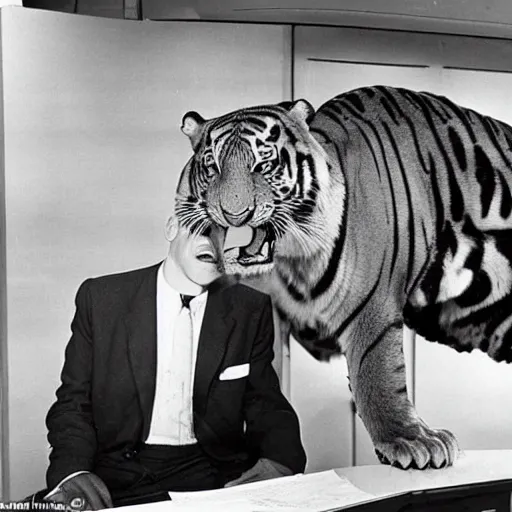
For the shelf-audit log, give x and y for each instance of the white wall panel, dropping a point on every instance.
(93, 150)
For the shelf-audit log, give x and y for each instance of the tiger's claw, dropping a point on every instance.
(431, 449)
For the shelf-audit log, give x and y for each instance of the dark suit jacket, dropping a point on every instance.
(103, 408)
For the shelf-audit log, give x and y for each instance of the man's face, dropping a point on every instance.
(196, 257)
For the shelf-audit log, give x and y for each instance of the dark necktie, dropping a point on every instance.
(185, 300)
(183, 354)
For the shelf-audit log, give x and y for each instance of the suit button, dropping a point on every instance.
(129, 454)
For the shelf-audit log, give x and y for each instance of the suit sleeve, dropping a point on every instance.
(71, 431)
(273, 430)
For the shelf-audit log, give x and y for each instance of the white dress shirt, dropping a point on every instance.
(166, 426)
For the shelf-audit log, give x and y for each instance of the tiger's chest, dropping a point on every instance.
(302, 312)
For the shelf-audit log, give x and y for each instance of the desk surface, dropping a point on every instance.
(470, 467)
(380, 480)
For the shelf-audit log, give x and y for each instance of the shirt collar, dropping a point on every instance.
(163, 287)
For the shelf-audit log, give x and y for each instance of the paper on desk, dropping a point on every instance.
(315, 492)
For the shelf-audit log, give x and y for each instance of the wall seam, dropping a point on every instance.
(4, 390)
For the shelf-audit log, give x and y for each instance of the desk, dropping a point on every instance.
(471, 467)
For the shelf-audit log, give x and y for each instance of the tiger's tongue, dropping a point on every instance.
(259, 236)
(218, 236)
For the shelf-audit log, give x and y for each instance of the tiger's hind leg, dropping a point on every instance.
(377, 378)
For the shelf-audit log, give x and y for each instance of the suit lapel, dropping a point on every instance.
(217, 325)
(141, 325)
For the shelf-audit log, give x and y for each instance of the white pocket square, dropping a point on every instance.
(235, 372)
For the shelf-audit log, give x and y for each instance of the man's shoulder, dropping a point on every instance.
(246, 293)
(122, 280)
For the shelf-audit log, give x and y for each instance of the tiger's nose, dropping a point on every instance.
(237, 219)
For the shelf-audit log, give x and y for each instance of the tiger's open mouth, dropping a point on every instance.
(259, 251)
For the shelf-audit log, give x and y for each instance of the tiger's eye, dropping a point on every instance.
(266, 152)
(268, 166)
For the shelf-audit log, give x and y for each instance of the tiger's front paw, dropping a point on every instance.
(427, 449)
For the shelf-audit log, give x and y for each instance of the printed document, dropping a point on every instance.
(314, 492)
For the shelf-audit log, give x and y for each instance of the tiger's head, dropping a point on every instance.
(258, 167)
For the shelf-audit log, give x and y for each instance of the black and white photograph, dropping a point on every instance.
(256, 255)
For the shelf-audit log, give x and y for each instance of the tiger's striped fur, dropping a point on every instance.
(384, 204)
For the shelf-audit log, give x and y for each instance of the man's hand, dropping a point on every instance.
(264, 469)
(85, 491)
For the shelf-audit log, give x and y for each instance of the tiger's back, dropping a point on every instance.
(468, 154)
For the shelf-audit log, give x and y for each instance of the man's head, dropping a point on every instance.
(193, 255)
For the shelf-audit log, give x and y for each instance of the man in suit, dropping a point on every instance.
(150, 403)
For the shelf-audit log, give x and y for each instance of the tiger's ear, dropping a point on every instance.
(192, 126)
(301, 110)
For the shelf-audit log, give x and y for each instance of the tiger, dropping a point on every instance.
(384, 207)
